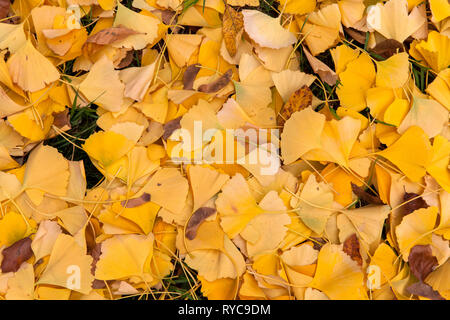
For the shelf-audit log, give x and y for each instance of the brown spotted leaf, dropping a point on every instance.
(136, 202)
(364, 195)
(412, 202)
(197, 218)
(217, 84)
(421, 261)
(424, 290)
(189, 76)
(299, 100)
(110, 35)
(351, 248)
(233, 26)
(170, 127)
(16, 254)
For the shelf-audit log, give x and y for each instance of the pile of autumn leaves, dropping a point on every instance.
(359, 207)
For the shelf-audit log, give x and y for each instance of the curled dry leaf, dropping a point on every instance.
(364, 195)
(233, 26)
(421, 261)
(197, 218)
(111, 35)
(16, 254)
(136, 202)
(170, 127)
(189, 76)
(217, 84)
(325, 73)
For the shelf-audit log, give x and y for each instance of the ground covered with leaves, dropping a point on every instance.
(225, 149)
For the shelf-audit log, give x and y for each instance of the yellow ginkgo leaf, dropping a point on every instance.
(385, 259)
(213, 254)
(321, 28)
(297, 7)
(182, 46)
(168, 188)
(103, 87)
(107, 147)
(155, 105)
(314, 204)
(30, 70)
(267, 31)
(393, 72)
(236, 206)
(337, 275)
(392, 20)
(131, 250)
(342, 55)
(356, 80)
(415, 229)
(440, 9)
(220, 289)
(438, 279)
(396, 112)
(137, 80)
(47, 171)
(45, 238)
(21, 285)
(438, 165)
(399, 153)
(14, 227)
(68, 258)
(434, 52)
(12, 36)
(427, 114)
(288, 81)
(439, 89)
(302, 132)
(138, 22)
(205, 183)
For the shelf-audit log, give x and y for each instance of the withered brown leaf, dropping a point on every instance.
(110, 35)
(421, 261)
(217, 84)
(197, 218)
(412, 202)
(233, 26)
(170, 126)
(16, 254)
(351, 248)
(424, 290)
(189, 76)
(4, 8)
(388, 48)
(364, 195)
(136, 202)
(299, 100)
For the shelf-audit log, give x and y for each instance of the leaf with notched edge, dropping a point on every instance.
(217, 84)
(170, 127)
(325, 73)
(136, 202)
(411, 205)
(364, 195)
(421, 261)
(16, 254)
(110, 35)
(233, 25)
(189, 76)
(298, 101)
(96, 253)
(197, 218)
(424, 290)
(351, 248)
